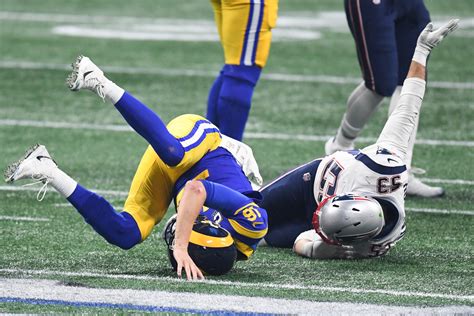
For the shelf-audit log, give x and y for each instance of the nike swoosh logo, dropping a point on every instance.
(86, 73)
(388, 159)
(42, 157)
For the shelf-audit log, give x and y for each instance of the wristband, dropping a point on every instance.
(420, 56)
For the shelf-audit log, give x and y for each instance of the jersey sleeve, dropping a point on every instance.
(245, 220)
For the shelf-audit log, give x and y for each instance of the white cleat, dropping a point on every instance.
(417, 188)
(86, 75)
(36, 164)
(331, 146)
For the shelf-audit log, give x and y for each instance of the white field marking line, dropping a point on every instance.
(242, 284)
(102, 192)
(439, 211)
(114, 193)
(447, 181)
(12, 64)
(23, 219)
(249, 135)
(124, 194)
(410, 209)
(30, 290)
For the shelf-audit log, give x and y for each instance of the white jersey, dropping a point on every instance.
(375, 172)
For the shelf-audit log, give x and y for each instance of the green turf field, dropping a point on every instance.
(291, 116)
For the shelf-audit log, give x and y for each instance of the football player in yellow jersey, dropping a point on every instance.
(245, 31)
(186, 161)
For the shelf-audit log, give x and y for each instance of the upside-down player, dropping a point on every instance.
(358, 195)
(185, 161)
(245, 31)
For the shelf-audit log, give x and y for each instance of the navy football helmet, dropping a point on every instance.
(210, 246)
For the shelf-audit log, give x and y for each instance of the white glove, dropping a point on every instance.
(429, 38)
(244, 156)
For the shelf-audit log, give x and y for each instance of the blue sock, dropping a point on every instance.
(149, 125)
(119, 229)
(235, 98)
(213, 99)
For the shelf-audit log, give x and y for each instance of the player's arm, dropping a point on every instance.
(198, 193)
(309, 244)
(401, 122)
(245, 220)
(189, 207)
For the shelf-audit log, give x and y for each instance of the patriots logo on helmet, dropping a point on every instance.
(350, 197)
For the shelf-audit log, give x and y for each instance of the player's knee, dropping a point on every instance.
(387, 86)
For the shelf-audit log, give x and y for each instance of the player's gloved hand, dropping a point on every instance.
(429, 38)
(184, 261)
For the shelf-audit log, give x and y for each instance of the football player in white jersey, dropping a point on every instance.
(358, 195)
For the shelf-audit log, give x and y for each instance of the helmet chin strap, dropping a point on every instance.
(317, 226)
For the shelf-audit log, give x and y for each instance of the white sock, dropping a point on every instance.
(63, 183)
(112, 92)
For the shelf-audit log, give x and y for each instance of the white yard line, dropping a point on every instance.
(23, 219)
(248, 135)
(28, 65)
(33, 189)
(439, 211)
(55, 293)
(121, 194)
(243, 285)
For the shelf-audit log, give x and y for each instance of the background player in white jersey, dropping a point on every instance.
(358, 195)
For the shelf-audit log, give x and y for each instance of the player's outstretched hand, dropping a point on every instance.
(184, 261)
(430, 37)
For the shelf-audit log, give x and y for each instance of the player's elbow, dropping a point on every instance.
(195, 188)
(261, 229)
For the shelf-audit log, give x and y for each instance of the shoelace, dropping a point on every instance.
(44, 188)
(98, 87)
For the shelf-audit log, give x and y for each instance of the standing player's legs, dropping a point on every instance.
(373, 29)
(290, 203)
(245, 31)
(213, 97)
(408, 27)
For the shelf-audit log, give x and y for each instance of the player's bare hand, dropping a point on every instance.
(430, 37)
(185, 262)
